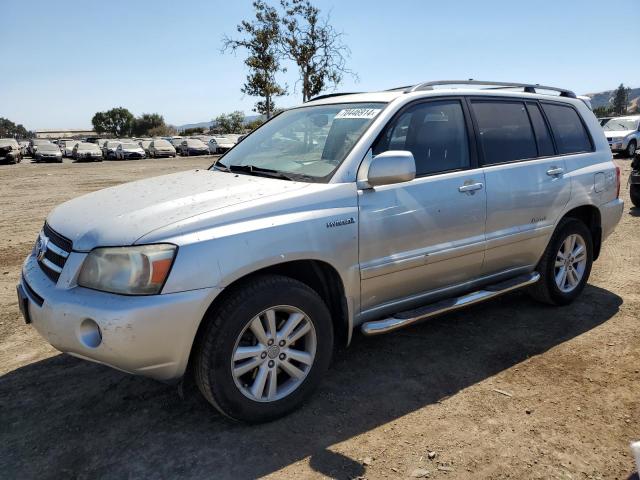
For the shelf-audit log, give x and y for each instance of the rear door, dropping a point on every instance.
(525, 182)
(428, 233)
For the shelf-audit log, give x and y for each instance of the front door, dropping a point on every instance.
(428, 233)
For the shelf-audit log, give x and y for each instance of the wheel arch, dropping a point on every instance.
(591, 217)
(320, 276)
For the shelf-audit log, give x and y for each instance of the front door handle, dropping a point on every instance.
(470, 188)
(555, 171)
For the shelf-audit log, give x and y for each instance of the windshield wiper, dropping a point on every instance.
(260, 172)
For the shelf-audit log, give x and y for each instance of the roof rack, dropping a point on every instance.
(329, 95)
(527, 87)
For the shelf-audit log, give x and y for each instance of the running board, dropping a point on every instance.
(410, 317)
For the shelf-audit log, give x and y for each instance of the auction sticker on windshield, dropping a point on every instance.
(358, 113)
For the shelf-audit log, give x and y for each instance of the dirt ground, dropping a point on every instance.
(507, 389)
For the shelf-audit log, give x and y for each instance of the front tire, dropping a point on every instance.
(264, 349)
(631, 149)
(565, 265)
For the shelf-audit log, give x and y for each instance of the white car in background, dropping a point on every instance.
(109, 148)
(623, 134)
(129, 151)
(66, 146)
(220, 144)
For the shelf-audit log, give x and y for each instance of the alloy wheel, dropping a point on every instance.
(274, 353)
(571, 262)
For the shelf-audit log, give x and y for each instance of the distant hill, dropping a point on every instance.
(207, 125)
(603, 99)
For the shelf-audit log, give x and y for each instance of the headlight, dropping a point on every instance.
(139, 270)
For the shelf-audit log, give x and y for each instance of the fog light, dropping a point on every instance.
(89, 333)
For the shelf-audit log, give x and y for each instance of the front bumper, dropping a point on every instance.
(144, 335)
(618, 145)
(132, 155)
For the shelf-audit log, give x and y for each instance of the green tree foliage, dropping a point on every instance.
(314, 46)
(260, 38)
(600, 112)
(117, 122)
(230, 123)
(146, 122)
(162, 131)
(192, 131)
(620, 100)
(8, 129)
(253, 124)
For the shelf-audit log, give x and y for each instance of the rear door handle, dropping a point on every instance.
(554, 171)
(470, 188)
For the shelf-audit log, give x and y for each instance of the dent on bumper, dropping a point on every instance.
(145, 335)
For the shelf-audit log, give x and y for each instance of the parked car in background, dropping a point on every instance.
(66, 146)
(10, 151)
(634, 180)
(88, 152)
(161, 148)
(109, 149)
(24, 147)
(35, 143)
(604, 120)
(623, 134)
(145, 146)
(192, 146)
(220, 144)
(129, 151)
(176, 142)
(48, 152)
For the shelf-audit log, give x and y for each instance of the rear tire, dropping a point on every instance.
(634, 193)
(561, 279)
(272, 301)
(631, 149)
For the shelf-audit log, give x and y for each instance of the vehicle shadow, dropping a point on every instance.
(64, 417)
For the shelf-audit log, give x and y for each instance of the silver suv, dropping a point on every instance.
(368, 211)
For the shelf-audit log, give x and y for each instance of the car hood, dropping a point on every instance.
(121, 215)
(617, 133)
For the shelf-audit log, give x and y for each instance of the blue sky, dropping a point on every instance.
(65, 60)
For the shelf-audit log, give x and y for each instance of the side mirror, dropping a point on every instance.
(393, 166)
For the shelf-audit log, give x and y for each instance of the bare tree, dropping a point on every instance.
(314, 46)
(260, 38)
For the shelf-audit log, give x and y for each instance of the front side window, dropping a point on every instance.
(568, 130)
(505, 131)
(434, 132)
(303, 143)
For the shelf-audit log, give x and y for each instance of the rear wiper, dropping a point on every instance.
(259, 171)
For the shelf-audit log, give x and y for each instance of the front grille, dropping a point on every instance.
(52, 251)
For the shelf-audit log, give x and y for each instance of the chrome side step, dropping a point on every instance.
(409, 317)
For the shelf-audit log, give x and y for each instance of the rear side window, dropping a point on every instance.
(505, 131)
(545, 145)
(568, 130)
(436, 134)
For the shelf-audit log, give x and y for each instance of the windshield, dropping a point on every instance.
(308, 141)
(49, 147)
(620, 124)
(87, 146)
(130, 145)
(161, 143)
(8, 141)
(195, 143)
(40, 142)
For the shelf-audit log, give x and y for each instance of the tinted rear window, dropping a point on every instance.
(568, 130)
(545, 145)
(505, 131)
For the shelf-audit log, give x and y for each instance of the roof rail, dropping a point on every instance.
(329, 95)
(527, 87)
